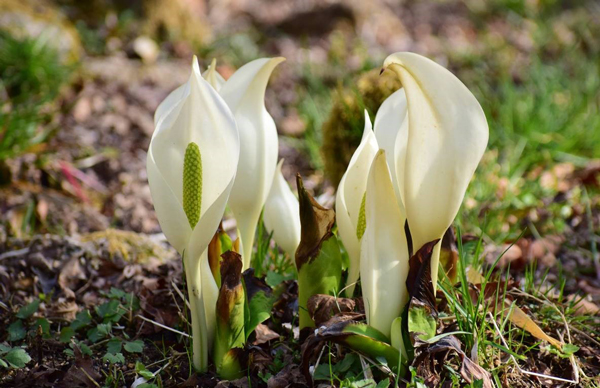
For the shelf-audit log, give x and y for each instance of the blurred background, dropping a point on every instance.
(80, 80)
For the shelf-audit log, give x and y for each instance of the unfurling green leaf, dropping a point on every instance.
(220, 243)
(192, 183)
(230, 313)
(259, 301)
(449, 255)
(318, 257)
(359, 337)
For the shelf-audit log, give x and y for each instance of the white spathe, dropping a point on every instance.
(391, 131)
(282, 214)
(384, 250)
(349, 197)
(244, 93)
(194, 113)
(447, 136)
(213, 77)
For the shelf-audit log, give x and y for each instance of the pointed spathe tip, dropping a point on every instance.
(195, 65)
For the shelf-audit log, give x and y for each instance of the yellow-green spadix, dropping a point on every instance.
(192, 162)
(447, 136)
(349, 197)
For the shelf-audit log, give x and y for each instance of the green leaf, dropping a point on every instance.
(43, 322)
(421, 322)
(3, 363)
(384, 383)
(318, 257)
(136, 346)
(66, 333)
(108, 310)
(570, 349)
(132, 302)
(259, 301)
(84, 348)
(114, 345)
(359, 337)
(17, 358)
(116, 293)
(82, 319)
(4, 349)
(274, 279)
(114, 358)
(142, 371)
(28, 310)
(100, 331)
(16, 331)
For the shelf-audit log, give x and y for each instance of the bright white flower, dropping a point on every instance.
(447, 136)
(282, 214)
(350, 193)
(191, 164)
(213, 77)
(391, 131)
(384, 250)
(244, 93)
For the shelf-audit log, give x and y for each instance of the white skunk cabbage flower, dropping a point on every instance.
(282, 214)
(244, 93)
(384, 258)
(191, 164)
(391, 131)
(349, 201)
(213, 77)
(447, 136)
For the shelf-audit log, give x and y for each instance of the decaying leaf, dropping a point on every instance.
(515, 315)
(323, 307)
(220, 243)
(582, 306)
(264, 334)
(82, 372)
(230, 316)
(422, 311)
(317, 223)
(425, 362)
(318, 257)
(522, 320)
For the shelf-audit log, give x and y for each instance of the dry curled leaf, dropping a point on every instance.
(318, 222)
(323, 307)
(425, 362)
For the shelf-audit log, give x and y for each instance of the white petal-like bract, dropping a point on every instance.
(349, 198)
(282, 214)
(384, 250)
(447, 136)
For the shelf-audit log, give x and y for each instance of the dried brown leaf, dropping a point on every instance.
(323, 307)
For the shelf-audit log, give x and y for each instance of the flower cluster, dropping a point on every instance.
(215, 145)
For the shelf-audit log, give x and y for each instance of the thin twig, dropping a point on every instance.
(163, 326)
(187, 302)
(18, 252)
